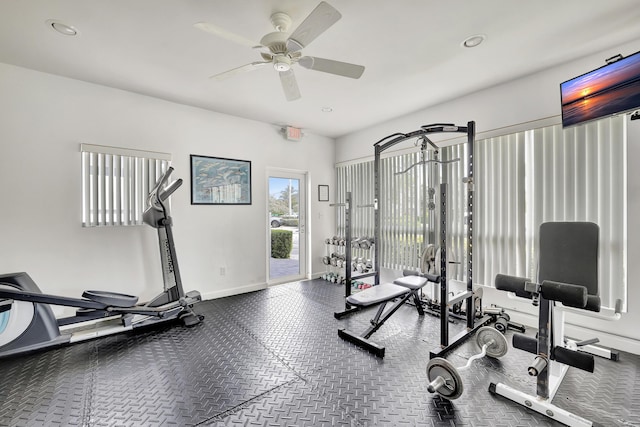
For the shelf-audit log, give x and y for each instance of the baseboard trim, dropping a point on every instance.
(234, 291)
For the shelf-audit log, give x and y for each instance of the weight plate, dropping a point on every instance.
(501, 325)
(439, 367)
(498, 347)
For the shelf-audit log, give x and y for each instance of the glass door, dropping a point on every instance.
(286, 216)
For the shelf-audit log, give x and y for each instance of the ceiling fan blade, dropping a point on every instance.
(318, 21)
(241, 69)
(289, 85)
(332, 67)
(227, 35)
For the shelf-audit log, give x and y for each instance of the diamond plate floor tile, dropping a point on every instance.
(274, 358)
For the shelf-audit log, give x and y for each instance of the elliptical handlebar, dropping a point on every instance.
(156, 210)
(164, 195)
(155, 198)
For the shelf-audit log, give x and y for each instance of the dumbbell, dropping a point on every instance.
(502, 322)
(444, 378)
(366, 243)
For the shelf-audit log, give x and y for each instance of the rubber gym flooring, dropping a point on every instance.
(274, 358)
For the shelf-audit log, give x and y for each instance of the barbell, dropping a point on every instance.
(444, 378)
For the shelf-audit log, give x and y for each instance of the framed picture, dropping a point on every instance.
(323, 193)
(219, 181)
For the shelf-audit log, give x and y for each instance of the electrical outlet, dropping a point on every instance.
(222, 271)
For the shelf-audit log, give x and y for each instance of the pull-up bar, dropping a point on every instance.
(424, 130)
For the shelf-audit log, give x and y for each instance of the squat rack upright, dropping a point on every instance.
(348, 223)
(390, 141)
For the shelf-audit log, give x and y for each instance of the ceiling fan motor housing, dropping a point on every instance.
(276, 42)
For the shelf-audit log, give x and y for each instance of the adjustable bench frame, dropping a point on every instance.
(381, 316)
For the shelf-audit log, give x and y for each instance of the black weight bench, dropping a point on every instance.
(400, 291)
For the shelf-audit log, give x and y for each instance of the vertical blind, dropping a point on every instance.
(521, 180)
(116, 183)
(401, 210)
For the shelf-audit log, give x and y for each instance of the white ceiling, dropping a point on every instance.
(410, 48)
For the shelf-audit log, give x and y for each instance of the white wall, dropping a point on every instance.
(43, 120)
(533, 98)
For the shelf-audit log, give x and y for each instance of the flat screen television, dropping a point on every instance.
(611, 89)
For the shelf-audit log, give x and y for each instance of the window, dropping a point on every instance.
(552, 174)
(521, 180)
(116, 183)
(403, 217)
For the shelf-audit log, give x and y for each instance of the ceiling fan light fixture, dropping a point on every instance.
(62, 28)
(281, 63)
(473, 41)
(281, 66)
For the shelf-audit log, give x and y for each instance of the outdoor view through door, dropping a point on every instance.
(286, 223)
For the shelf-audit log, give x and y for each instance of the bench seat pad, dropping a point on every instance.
(411, 282)
(377, 294)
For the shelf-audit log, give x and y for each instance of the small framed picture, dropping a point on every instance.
(323, 193)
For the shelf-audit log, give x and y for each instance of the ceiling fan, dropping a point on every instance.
(282, 50)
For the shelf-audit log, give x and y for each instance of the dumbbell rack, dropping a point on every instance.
(334, 260)
(349, 277)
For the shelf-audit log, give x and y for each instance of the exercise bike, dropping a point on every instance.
(27, 322)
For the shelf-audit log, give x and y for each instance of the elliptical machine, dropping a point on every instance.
(27, 322)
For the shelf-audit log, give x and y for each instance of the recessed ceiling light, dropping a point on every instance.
(327, 109)
(65, 29)
(473, 41)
